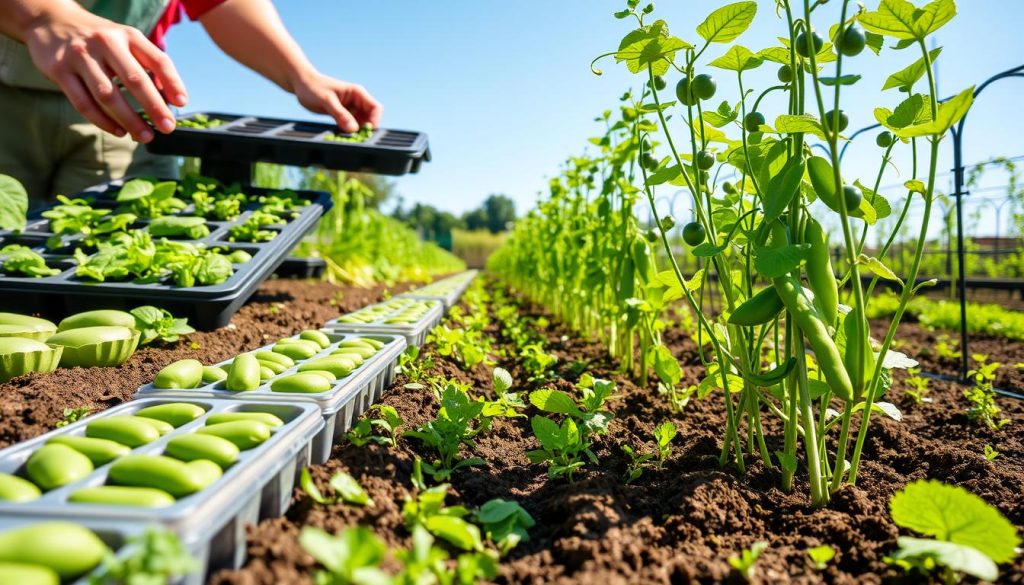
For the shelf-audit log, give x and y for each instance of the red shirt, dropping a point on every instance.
(193, 8)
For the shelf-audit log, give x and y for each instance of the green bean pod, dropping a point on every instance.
(99, 451)
(155, 471)
(117, 495)
(68, 549)
(245, 434)
(244, 373)
(132, 431)
(22, 574)
(820, 275)
(195, 446)
(175, 414)
(17, 489)
(263, 417)
(52, 466)
(805, 316)
(759, 309)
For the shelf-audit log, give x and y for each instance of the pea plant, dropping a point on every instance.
(789, 336)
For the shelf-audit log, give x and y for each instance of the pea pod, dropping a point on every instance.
(347, 353)
(274, 367)
(17, 325)
(160, 426)
(65, 548)
(858, 357)
(301, 383)
(820, 276)
(274, 357)
(245, 434)
(266, 373)
(99, 451)
(362, 351)
(179, 374)
(317, 337)
(128, 430)
(117, 495)
(22, 574)
(805, 316)
(643, 260)
(16, 489)
(759, 309)
(53, 466)
(175, 414)
(364, 341)
(244, 374)
(335, 364)
(204, 471)
(297, 349)
(329, 376)
(263, 417)
(823, 180)
(155, 471)
(100, 318)
(213, 374)
(199, 446)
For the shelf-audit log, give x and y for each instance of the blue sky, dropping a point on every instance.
(505, 92)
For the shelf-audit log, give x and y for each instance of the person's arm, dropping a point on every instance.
(82, 53)
(251, 32)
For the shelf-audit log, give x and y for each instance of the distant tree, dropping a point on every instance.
(476, 219)
(500, 211)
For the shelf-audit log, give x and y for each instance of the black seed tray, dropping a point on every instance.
(296, 267)
(207, 307)
(292, 142)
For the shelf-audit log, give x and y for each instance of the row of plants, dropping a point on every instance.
(788, 342)
(362, 246)
(983, 318)
(566, 423)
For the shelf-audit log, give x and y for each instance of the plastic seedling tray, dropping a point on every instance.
(415, 333)
(339, 407)
(250, 139)
(210, 523)
(296, 267)
(114, 533)
(207, 307)
(448, 290)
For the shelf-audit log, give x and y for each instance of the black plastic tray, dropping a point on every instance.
(249, 139)
(296, 267)
(207, 307)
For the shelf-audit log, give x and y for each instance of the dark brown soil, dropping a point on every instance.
(678, 524)
(33, 404)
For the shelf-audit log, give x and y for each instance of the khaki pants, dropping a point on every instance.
(52, 149)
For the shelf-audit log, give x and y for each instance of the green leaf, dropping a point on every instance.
(953, 514)
(666, 367)
(134, 190)
(906, 78)
(878, 268)
(650, 46)
(502, 380)
(958, 557)
(950, 112)
(776, 262)
(309, 486)
(663, 175)
(728, 22)
(349, 490)
(456, 531)
(555, 401)
(737, 58)
(547, 432)
(803, 123)
(13, 204)
(902, 20)
(724, 115)
(780, 55)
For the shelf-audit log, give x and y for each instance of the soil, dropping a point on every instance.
(31, 405)
(677, 524)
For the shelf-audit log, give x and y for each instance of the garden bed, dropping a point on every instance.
(32, 405)
(677, 524)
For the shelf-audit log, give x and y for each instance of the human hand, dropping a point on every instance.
(82, 53)
(349, 104)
